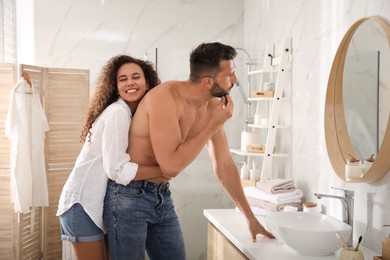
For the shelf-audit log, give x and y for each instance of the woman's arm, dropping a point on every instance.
(116, 162)
(150, 173)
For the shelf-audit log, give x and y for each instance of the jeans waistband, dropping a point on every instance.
(146, 184)
(150, 185)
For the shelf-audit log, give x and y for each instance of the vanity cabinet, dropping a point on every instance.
(229, 238)
(219, 247)
(270, 129)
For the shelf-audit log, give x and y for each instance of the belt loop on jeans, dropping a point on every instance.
(165, 186)
(145, 184)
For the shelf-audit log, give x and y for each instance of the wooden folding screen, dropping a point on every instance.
(65, 101)
(7, 217)
(64, 95)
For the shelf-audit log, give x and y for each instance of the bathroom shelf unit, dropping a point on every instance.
(278, 68)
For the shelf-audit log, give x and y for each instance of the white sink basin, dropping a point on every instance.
(308, 233)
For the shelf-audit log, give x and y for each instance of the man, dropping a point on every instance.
(172, 124)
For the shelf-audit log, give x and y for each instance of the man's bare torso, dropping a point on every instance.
(192, 119)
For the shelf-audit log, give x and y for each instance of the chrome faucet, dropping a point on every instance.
(347, 202)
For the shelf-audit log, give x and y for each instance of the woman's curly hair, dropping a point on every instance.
(106, 91)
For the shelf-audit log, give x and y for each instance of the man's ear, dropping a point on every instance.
(208, 82)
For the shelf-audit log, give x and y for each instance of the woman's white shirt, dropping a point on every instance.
(102, 158)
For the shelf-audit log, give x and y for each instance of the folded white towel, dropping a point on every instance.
(278, 198)
(272, 207)
(276, 185)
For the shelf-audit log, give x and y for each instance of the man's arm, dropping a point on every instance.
(172, 153)
(228, 176)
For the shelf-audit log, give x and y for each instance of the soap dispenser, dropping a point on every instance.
(244, 173)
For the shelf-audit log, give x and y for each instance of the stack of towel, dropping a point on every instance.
(273, 195)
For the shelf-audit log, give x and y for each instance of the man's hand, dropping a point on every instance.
(256, 228)
(221, 111)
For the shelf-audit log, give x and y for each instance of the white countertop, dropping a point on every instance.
(234, 226)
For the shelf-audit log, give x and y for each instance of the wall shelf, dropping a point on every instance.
(276, 70)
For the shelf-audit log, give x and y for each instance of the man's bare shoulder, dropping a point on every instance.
(167, 89)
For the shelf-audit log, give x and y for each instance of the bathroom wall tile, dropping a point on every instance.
(317, 28)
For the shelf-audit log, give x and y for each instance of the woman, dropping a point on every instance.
(123, 81)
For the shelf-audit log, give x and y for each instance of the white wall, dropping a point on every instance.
(84, 34)
(317, 28)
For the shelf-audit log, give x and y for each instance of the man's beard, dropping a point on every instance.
(217, 91)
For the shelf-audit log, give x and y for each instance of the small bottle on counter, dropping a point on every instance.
(310, 207)
(244, 173)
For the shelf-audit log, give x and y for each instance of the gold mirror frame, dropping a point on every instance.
(337, 139)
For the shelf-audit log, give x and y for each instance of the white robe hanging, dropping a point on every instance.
(26, 125)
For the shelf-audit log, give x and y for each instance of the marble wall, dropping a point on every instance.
(317, 28)
(84, 34)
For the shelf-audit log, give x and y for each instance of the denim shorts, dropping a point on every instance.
(141, 216)
(77, 226)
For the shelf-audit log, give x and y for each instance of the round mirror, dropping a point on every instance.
(357, 100)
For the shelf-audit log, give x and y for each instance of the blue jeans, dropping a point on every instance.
(139, 217)
(77, 226)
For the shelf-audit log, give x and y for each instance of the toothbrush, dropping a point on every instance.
(357, 246)
(338, 235)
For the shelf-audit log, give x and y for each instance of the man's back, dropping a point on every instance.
(166, 101)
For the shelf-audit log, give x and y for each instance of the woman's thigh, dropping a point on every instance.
(77, 226)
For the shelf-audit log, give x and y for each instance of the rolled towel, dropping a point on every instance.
(278, 198)
(276, 185)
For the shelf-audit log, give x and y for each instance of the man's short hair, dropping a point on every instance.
(205, 59)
